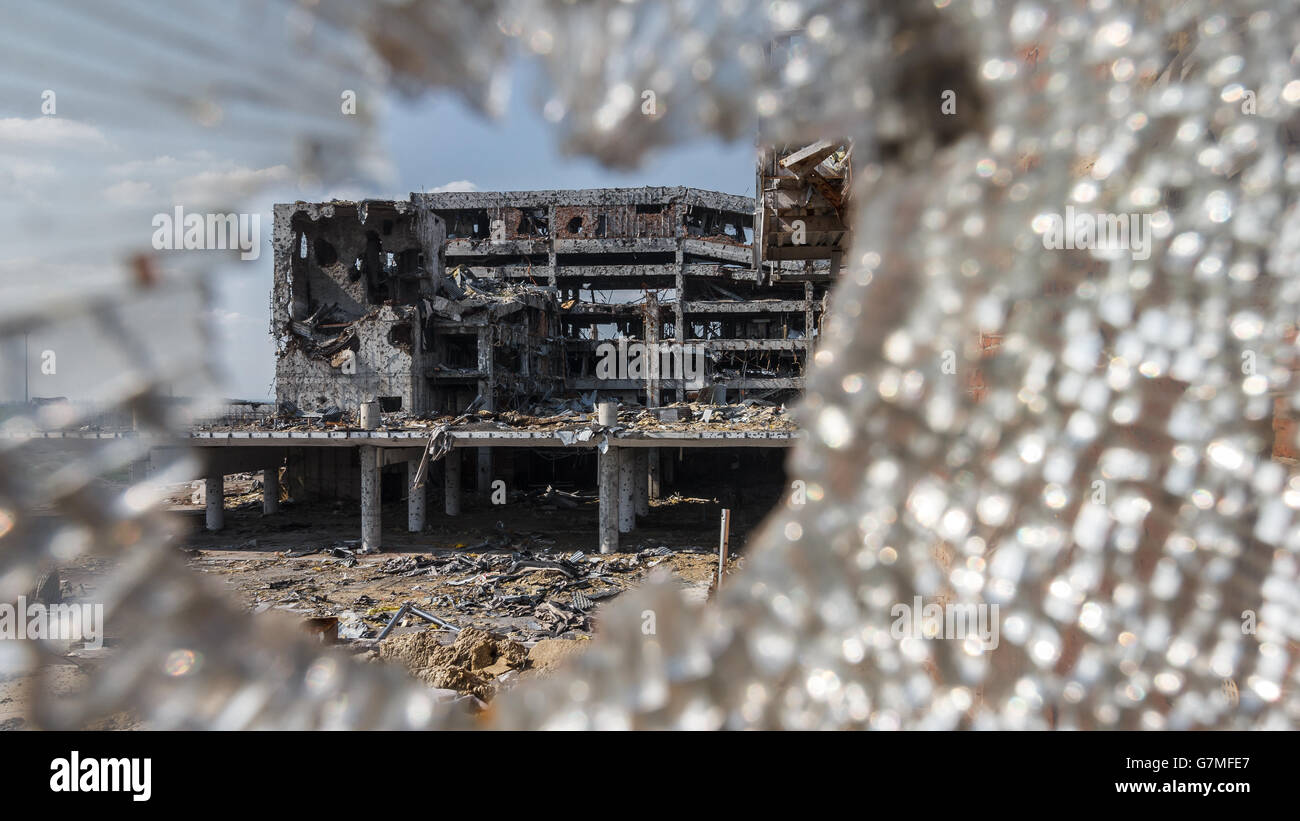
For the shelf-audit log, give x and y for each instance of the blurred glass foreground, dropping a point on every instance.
(1080, 433)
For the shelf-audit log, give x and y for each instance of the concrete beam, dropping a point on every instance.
(370, 486)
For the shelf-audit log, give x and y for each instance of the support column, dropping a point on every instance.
(626, 490)
(641, 466)
(215, 495)
(416, 497)
(652, 472)
(370, 485)
(607, 487)
(452, 484)
(484, 473)
(270, 490)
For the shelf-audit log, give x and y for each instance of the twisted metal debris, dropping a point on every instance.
(1071, 435)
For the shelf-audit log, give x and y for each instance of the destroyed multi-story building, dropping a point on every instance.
(497, 322)
(431, 304)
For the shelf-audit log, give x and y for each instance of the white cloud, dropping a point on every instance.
(129, 192)
(49, 131)
(22, 179)
(223, 317)
(456, 185)
(136, 168)
(228, 185)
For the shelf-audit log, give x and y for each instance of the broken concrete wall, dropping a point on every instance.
(382, 359)
(349, 282)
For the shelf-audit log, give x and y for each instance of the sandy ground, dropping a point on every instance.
(532, 592)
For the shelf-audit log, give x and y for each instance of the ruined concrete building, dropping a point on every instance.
(495, 324)
(433, 304)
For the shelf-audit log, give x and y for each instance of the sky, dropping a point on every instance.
(434, 142)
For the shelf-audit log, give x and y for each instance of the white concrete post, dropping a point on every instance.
(270, 490)
(652, 472)
(607, 470)
(415, 497)
(452, 463)
(607, 414)
(484, 472)
(641, 466)
(370, 487)
(626, 490)
(215, 493)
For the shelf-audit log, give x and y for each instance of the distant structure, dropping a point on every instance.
(431, 304)
(484, 323)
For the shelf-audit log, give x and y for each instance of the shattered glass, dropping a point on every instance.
(1082, 437)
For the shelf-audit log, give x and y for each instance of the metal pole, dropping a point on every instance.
(723, 538)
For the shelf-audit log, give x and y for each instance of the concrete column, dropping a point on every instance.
(626, 490)
(370, 485)
(452, 485)
(652, 472)
(667, 465)
(484, 472)
(415, 498)
(607, 414)
(607, 479)
(270, 490)
(214, 492)
(642, 482)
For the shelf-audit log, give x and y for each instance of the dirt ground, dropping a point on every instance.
(531, 592)
(472, 571)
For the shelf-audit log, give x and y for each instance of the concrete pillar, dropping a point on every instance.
(452, 485)
(607, 414)
(642, 482)
(484, 472)
(370, 486)
(652, 472)
(667, 466)
(626, 490)
(270, 490)
(215, 491)
(368, 417)
(416, 501)
(607, 486)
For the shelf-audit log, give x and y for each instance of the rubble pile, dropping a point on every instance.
(470, 664)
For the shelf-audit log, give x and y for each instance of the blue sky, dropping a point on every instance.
(437, 141)
(114, 170)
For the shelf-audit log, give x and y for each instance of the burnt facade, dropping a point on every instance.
(501, 300)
